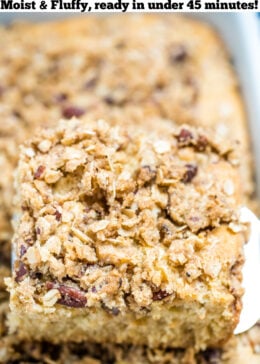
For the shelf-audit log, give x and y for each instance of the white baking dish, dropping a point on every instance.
(241, 34)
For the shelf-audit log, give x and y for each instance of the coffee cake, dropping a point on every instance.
(126, 236)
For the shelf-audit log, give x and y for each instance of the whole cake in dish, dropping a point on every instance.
(126, 236)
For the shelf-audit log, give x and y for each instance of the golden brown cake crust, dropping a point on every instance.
(131, 223)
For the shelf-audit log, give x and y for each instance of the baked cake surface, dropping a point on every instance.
(127, 237)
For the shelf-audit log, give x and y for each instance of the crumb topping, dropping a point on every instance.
(114, 217)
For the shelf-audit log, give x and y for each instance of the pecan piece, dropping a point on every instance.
(58, 215)
(202, 143)
(184, 137)
(39, 172)
(20, 272)
(190, 173)
(69, 111)
(70, 296)
(38, 230)
(160, 295)
(23, 250)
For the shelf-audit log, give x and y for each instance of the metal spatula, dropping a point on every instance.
(251, 274)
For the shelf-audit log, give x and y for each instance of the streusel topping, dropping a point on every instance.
(112, 215)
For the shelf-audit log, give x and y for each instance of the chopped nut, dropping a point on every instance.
(58, 215)
(184, 137)
(39, 172)
(191, 171)
(69, 112)
(70, 296)
(23, 250)
(160, 295)
(202, 143)
(20, 272)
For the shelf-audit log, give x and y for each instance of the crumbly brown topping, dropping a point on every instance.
(118, 217)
